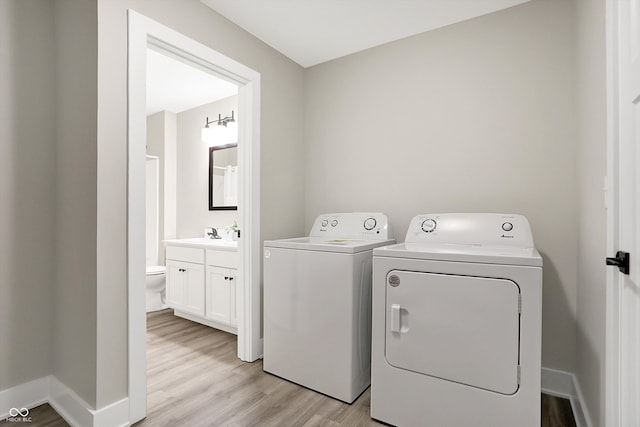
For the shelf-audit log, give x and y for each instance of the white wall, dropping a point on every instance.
(27, 189)
(193, 213)
(281, 162)
(475, 117)
(591, 289)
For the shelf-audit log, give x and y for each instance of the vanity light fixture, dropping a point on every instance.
(222, 131)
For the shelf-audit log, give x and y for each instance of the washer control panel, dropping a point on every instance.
(352, 225)
(471, 229)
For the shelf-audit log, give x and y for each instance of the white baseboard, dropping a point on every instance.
(27, 395)
(114, 415)
(565, 384)
(211, 323)
(65, 402)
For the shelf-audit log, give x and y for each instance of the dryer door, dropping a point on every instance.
(458, 328)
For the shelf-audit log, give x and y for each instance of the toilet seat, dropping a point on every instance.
(153, 270)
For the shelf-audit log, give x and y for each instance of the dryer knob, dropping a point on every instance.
(429, 225)
(507, 226)
(334, 222)
(370, 224)
(324, 222)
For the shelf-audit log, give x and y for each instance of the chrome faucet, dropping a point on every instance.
(213, 233)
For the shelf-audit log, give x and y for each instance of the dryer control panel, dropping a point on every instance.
(482, 229)
(352, 225)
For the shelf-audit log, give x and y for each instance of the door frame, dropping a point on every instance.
(144, 32)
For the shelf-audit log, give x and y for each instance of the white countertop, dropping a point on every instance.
(204, 242)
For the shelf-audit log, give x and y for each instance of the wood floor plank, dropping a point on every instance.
(195, 379)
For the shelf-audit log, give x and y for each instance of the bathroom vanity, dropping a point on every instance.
(201, 281)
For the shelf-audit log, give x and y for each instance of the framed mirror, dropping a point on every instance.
(223, 177)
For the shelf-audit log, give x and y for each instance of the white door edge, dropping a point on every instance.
(612, 374)
(623, 302)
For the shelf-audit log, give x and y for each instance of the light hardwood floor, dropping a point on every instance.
(195, 379)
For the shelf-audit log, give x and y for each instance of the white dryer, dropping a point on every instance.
(317, 303)
(457, 324)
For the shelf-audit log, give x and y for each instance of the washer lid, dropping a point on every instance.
(327, 244)
(505, 255)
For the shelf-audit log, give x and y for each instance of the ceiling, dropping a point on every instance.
(175, 86)
(314, 31)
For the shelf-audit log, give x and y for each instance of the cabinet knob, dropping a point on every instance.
(226, 277)
(230, 278)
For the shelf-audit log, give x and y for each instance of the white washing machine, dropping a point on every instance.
(317, 304)
(457, 324)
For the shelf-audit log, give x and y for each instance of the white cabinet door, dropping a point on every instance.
(175, 285)
(185, 287)
(194, 301)
(220, 305)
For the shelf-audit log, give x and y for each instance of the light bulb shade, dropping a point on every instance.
(232, 132)
(213, 135)
(207, 134)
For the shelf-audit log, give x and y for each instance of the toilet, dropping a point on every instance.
(155, 282)
(155, 286)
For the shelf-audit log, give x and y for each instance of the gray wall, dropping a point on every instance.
(155, 147)
(48, 167)
(74, 334)
(281, 160)
(27, 189)
(193, 171)
(592, 136)
(475, 117)
(161, 142)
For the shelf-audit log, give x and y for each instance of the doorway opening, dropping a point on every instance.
(144, 35)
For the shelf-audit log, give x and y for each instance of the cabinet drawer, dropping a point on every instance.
(180, 253)
(226, 259)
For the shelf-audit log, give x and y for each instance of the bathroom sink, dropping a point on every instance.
(204, 241)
